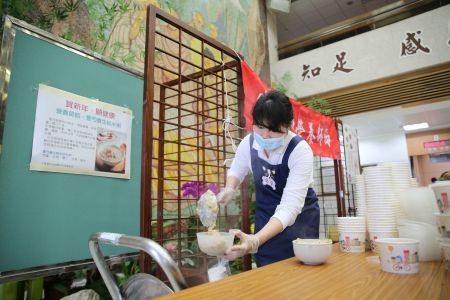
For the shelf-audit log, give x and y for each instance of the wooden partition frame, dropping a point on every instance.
(167, 106)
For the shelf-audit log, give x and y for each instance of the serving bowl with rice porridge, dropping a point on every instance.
(215, 243)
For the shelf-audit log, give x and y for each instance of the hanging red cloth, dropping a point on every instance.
(317, 130)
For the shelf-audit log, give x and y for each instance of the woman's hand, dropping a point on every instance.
(249, 244)
(225, 196)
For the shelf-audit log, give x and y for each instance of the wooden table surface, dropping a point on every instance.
(343, 276)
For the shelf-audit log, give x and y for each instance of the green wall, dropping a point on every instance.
(47, 218)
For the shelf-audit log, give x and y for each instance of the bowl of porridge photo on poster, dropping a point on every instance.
(110, 151)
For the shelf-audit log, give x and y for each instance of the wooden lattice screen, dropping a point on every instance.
(192, 83)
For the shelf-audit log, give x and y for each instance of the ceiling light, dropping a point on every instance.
(415, 126)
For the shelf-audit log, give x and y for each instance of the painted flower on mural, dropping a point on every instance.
(170, 247)
(186, 261)
(197, 188)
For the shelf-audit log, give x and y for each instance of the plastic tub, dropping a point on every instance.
(445, 248)
(426, 234)
(399, 255)
(442, 192)
(443, 224)
(375, 235)
(418, 204)
(352, 242)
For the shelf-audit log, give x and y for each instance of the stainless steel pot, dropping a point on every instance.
(139, 286)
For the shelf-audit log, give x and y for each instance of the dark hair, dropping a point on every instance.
(273, 110)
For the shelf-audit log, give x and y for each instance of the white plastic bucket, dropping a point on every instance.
(375, 235)
(442, 193)
(445, 248)
(352, 242)
(443, 224)
(399, 255)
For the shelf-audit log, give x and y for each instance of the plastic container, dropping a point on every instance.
(442, 193)
(352, 242)
(375, 235)
(399, 255)
(426, 234)
(443, 224)
(418, 204)
(219, 271)
(445, 250)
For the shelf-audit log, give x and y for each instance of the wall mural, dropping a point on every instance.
(116, 28)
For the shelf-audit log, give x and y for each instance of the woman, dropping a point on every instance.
(282, 167)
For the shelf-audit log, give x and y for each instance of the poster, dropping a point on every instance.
(351, 152)
(75, 134)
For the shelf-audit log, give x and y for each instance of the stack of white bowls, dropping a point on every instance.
(445, 247)
(443, 224)
(352, 234)
(413, 182)
(401, 180)
(360, 201)
(441, 190)
(441, 193)
(401, 170)
(382, 206)
(360, 196)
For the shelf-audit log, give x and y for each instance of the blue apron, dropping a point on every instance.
(270, 181)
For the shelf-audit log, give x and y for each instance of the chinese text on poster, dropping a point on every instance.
(75, 134)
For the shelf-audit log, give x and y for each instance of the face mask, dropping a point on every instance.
(269, 144)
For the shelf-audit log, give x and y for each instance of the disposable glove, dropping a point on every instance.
(249, 244)
(225, 196)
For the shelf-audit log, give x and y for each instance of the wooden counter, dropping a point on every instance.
(344, 276)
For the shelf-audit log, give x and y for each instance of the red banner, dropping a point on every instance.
(317, 130)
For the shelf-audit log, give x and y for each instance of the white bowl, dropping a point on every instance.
(312, 251)
(215, 243)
